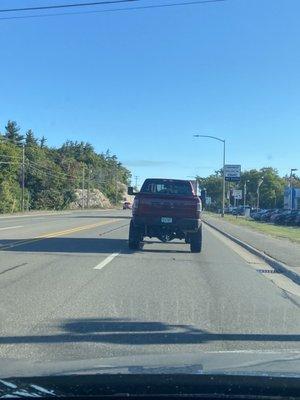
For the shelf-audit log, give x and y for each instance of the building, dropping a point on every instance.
(292, 198)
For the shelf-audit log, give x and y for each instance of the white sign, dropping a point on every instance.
(208, 200)
(237, 194)
(232, 173)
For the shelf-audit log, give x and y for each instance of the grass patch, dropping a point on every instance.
(287, 232)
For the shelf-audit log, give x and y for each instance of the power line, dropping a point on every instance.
(188, 3)
(57, 175)
(36, 166)
(71, 5)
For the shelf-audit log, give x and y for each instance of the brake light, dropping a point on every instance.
(199, 206)
(135, 204)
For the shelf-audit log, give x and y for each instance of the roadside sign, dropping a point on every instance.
(232, 173)
(237, 194)
(208, 200)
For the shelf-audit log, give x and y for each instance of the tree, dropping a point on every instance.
(43, 142)
(54, 174)
(271, 190)
(30, 139)
(12, 132)
(214, 187)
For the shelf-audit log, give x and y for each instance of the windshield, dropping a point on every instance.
(149, 187)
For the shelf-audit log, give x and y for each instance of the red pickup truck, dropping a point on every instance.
(166, 209)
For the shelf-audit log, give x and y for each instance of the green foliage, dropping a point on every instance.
(271, 190)
(30, 140)
(12, 132)
(53, 174)
(213, 186)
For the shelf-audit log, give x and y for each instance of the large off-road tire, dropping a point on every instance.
(134, 241)
(196, 241)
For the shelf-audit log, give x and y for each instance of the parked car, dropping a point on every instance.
(276, 214)
(281, 218)
(297, 219)
(268, 215)
(291, 218)
(257, 215)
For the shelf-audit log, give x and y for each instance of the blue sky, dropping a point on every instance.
(142, 82)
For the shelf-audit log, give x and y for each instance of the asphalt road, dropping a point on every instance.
(70, 289)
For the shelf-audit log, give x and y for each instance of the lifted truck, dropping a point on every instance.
(166, 209)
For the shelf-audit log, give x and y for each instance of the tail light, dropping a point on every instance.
(135, 205)
(199, 206)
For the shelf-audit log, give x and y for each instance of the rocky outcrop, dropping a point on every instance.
(91, 199)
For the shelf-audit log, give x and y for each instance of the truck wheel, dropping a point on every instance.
(134, 240)
(196, 241)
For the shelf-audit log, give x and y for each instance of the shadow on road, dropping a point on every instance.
(67, 245)
(160, 251)
(102, 216)
(127, 332)
(82, 245)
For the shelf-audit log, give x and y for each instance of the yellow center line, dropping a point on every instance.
(59, 233)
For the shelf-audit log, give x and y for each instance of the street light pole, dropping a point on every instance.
(258, 187)
(223, 197)
(291, 187)
(245, 194)
(136, 181)
(224, 160)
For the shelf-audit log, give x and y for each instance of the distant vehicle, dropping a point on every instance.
(239, 210)
(297, 219)
(276, 214)
(166, 209)
(258, 215)
(267, 215)
(291, 218)
(281, 217)
(127, 205)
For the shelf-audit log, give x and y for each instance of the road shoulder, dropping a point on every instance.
(282, 250)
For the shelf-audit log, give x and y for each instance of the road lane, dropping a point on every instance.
(55, 224)
(162, 299)
(11, 227)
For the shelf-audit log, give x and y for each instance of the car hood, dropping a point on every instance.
(260, 363)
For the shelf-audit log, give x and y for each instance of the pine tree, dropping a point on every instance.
(12, 132)
(30, 139)
(43, 142)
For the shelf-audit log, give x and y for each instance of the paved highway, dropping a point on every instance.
(70, 289)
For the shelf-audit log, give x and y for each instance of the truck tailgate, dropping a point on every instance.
(168, 206)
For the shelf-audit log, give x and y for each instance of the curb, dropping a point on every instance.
(277, 265)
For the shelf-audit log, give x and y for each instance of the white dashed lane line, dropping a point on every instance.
(11, 227)
(106, 261)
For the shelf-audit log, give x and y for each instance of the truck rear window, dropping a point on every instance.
(167, 187)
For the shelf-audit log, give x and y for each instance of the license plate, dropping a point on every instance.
(166, 220)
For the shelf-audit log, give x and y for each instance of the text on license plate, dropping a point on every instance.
(166, 220)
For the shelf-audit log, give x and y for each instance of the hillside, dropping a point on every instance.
(53, 177)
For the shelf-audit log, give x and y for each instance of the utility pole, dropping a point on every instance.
(88, 193)
(224, 156)
(82, 205)
(23, 177)
(245, 194)
(258, 187)
(291, 187)
(224, 179)
(136, 181)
